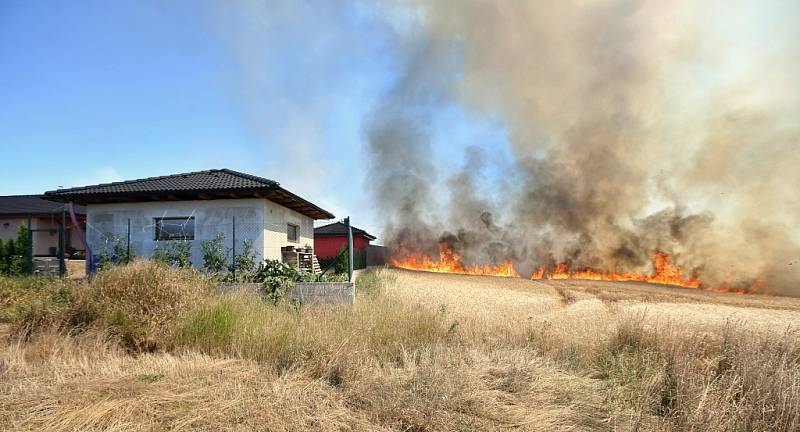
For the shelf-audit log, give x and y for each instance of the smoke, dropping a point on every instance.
(634, 127)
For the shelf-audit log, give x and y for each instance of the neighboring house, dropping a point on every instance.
(330, 239)
(194, 207)
(45, 219)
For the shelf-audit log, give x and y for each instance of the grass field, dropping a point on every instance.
(149, 348)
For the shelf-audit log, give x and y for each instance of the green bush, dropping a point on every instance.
(114, 250)
(14, 254)
(215, 259)
(278, 278)
(173, 253)
(244, 266)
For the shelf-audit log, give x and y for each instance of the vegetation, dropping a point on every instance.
(14, 254)
(114, 250)
(173, 253)
(416, 352)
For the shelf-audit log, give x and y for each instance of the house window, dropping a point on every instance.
(292, 232)
(174, 228)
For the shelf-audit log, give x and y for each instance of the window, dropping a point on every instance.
(175, 228)
(291, 232)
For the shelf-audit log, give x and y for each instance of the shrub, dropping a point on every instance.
(136, 303)
(244, 265)
(214, 256)
(22, 295)
(14, 254)
(342, 264)
(114, 250)
(278, 278)
(173, 253)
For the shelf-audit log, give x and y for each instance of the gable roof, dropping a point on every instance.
(23, 205)
(337, 229)
(198, 185)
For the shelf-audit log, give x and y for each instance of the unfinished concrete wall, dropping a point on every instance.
(211, 217)
(324, 292)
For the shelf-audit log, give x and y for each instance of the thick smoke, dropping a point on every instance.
(634, 127)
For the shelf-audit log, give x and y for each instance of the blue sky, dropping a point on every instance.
(97, 91)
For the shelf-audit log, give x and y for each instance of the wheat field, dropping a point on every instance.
(418, 351)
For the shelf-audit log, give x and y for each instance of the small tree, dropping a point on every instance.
(175, 254)
(122, 253)
(214, 256)
(342, 264)
(3, 261)
(18, 253)
(244, 265)
(9, 250)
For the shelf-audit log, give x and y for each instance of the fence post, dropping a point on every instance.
(233, 259)
(30, 245)
(128, 250)
(62, 267)
(349, 250)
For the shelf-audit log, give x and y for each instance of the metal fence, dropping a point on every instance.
(118, 240)
(121, 240)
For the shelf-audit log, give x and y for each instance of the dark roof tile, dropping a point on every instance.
(216, 183)
(20, 205)
(340, 229)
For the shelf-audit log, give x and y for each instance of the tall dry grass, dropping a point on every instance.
(391, 362)
(136, 303)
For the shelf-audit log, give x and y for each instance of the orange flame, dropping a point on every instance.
(665, 273)
(450, 262)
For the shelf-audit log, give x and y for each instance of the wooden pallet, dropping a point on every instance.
(303, 261)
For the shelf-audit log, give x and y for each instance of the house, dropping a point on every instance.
(194, 207)
(44, 218)
(330, 239)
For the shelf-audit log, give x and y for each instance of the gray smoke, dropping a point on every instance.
(634, 127)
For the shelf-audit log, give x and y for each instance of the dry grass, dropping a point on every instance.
(418, 352)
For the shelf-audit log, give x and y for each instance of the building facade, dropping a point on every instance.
(195, 207)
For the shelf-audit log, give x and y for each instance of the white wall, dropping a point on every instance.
(261, 221)
(275, 229)
(211, 218)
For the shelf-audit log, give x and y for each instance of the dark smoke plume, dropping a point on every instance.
(630, 133)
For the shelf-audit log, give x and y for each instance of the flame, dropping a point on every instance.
(664, 272)
(450, 262)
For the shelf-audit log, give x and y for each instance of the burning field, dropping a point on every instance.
(618, 142)
(662, 271)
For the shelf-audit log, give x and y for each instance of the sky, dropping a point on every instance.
(97, 91)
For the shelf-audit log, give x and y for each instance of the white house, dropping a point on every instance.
(194, 207)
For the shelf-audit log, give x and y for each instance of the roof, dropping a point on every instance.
(337, 229)
(198, 185)
(23, 205)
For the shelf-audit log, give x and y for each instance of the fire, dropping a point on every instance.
(664, 272)
(450, 262)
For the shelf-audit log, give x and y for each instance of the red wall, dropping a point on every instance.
(328, 247)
